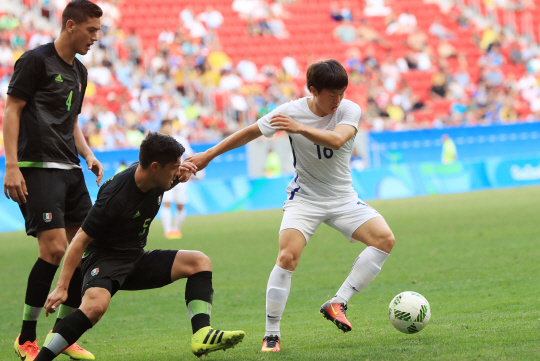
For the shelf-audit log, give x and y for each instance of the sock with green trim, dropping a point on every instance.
(199, 294)
(37, 290)
(65, 334)
(74, 297)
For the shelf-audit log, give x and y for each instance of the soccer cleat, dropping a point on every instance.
(28, 351)
(335, 312)
(208, 340)
(75, 351)
(270, 344)
(174, 234)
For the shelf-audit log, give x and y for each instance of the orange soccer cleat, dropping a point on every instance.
(335, 312)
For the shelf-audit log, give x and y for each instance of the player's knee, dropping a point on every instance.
(53, 253)
(287, 260)
(203, 262)
(198, 262)
(385, 241)
(94, 311)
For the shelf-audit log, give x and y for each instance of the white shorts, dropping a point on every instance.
(345, 215)
(177, 195)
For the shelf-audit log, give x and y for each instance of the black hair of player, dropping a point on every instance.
(80, 11)
(159, 148)
(327, 74)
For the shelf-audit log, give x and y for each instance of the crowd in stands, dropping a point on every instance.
(187, 78)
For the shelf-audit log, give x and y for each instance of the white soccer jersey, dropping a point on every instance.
(322, 174)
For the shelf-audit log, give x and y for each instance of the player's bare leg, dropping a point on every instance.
(376, 234)
(291, 245)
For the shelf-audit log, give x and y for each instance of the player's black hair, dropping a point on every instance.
(79, 11)
(327, 74)
(159, 148)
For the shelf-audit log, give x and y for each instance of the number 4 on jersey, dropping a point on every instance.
(68, 102)
(328, 153)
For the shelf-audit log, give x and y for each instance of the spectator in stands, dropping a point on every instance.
(417, 40)
(134, 47)
(230, 80)
(166, 36)
(9, 22)
(439, 83)
(366, 34)
(247, 69)
(186, 15)
(345, 32)
(290, 66)
(406, 22)
(6, 55)
(335, 11)
(440, 31)
(446, 50)
(17, 39)
(211, 17)
(39, 38)
(493, 76)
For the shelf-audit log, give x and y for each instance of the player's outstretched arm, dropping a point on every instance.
(72, 259)
(233, 141)
(333, 139)
(84, 151)
(14, 184)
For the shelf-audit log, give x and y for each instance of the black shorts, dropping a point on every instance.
(56, 198)
(129, 271)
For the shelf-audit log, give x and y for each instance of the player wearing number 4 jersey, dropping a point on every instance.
(43, 142)
(321, 130)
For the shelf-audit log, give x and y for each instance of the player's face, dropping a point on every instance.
(86, 34)
(328, 100)
(168, 173)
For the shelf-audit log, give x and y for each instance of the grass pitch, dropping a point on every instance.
(474, 256)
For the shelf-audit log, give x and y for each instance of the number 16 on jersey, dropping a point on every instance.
(328, 153)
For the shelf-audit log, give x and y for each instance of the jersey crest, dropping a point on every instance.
(47, 217)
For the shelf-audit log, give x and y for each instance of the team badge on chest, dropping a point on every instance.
(47, 217)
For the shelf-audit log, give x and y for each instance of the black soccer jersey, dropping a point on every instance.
(53, 91)
(120, 219)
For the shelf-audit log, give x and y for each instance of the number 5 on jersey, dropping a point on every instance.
(145, 226)
(328, 153)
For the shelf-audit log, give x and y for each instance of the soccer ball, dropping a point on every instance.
(409, 312)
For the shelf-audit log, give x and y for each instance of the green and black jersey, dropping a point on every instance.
(121, 217)
(54, 92)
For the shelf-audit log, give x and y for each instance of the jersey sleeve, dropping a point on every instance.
(27, 76)
(264, 122)
(350, 115)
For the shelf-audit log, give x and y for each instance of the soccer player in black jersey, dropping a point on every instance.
(43, 142)
(111, 245)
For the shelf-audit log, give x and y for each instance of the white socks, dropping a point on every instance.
(166, 217)
(277, 293)
(366, 266)
(179, 218)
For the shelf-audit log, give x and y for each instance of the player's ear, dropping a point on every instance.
(154, 166)
(70, 24)
(313, 91)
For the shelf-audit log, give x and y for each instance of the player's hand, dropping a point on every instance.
(200, 160)
(96, 167)
(55, 299)
(186, 170)
(284, 122)
(15, 185)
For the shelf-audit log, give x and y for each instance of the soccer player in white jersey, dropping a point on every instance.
(321, 130)
(178, 195)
